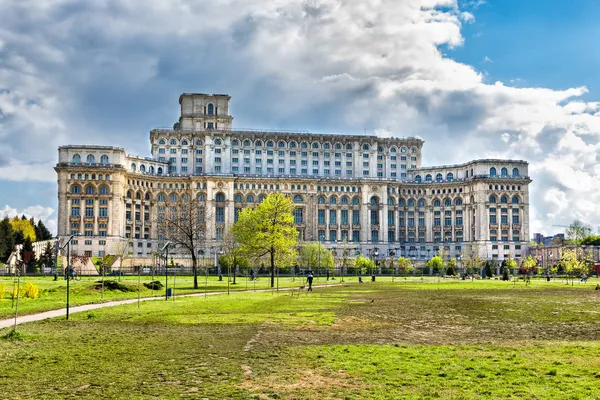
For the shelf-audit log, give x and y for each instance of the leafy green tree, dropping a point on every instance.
(405, 265)
(471, 259)
(47, 256)
(315, 256)
(363, 264)
(268, 231)
(578, 231)
(451, 267)
(529, 266)
(436, 264)
(25, 227)
(7, 239)
(572, 263)
(233, 258)
(489, 271)
(591, 240)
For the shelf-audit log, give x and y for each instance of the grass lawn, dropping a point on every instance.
(464, 340)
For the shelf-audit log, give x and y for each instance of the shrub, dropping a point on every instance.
(114, 285)
(451, 271)
(30, 290)
(154, 285)
(2, 290)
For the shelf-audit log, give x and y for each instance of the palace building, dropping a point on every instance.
(367, 193)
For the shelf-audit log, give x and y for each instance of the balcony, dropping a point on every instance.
(355, 226)
(333, 226)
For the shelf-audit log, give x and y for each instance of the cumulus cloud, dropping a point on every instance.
(38, 212)
(106, 71)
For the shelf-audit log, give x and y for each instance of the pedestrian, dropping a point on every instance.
(252, 274)
(309, 279)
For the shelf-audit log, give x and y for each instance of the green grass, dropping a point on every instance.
(464, 340)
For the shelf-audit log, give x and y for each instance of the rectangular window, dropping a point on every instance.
(493, 220)
(89, 211)
(459, 221)
(437, 222)
(344, 217)
(374, 236)
(448, 221)
(374, 217)
(504, 219)
(356, 236)
(321, 235)
(421, 222)
(298, 217)
(356, 217)
(75, 211)
(390, 218)
(321, 217)
(332, 216)
(103, 212)
(333, 235)
(220, 214)
(515, 219)
(391, 236)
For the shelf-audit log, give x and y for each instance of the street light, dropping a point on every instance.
(321, 238)
(165, 249)
(68, 246)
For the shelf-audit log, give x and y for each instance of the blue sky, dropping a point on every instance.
(509, 79)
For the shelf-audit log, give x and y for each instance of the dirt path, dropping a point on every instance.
(5, 323)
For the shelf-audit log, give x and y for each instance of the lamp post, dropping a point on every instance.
(68, 245)
(166, 251)
(321, 238)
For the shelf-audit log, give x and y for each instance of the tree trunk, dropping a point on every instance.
(272, 268)
(195, 268)
(234, 268)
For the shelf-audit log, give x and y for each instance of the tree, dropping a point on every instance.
(577, 231)
(471, 259)
(41, 232)
(47, 257)
(232, 258)
(572, 264)
(183, 225)
(315, 256)
(363, 264)
(405, 265)
(7, 239)
(27, 255)
(346, 257)
(451, 267)
(25, 227)
(268, 231)
(437, 264)
(529, 266)
(123, 252)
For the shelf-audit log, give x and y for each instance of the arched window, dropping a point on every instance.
(104, 159)
(504, 172)
(365, 147)
(142, 168)
(293, 145)
(401, 203)
(75, 189)
(235, 143)
(210, 109)
(410, 203)
(449, 176)
(418, 178)
(515, 172)
(147, 196)
(515, 200)
(338, 146)
(421, 203)
(348, 146)
(326, 146)
(247, 143)
(89, 190)
(393, 150)
(493, 199)
(151, 170)
(270, 143)
(218, 142)
(198, 142)
(304, 145)
(298, 199)
(413, 150)
(201, 197)
(492, 171)
(427, 178)
(103, 189)
(162, 141)
(249, 199)
(159, 171)
(258, 143)
(374, 200)
(184, 142)
(173, 142)
(261, 198)
(332, 200)
(138, 196)
(355, 201)
(437, 203)
(458, 202)
(344, 200)
(321, 200)
(503, 200)
(403, 150)
(439, 178)
(173, 197)
(161, 197)
(447, 203)
(237, 198)
(90, 159)
(76, 159)
(281, 144)
(129, 195)
(133, 167)
(391, 201)
(220, 198)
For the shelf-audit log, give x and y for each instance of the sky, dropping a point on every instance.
(475, 79)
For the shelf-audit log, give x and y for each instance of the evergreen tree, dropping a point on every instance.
(41, 232)
(7, 239)
(47, 256)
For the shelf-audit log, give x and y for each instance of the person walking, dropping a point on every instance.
(309, 279)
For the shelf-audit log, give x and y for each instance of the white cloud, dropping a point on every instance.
(67, 69)
(38, 212)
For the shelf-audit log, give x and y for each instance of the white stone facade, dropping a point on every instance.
(369, 192)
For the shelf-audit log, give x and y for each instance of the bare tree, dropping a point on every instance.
(123, 252)
(182, 221)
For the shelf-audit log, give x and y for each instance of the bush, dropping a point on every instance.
(451, 271)
(2, 290)
(30, 290)
(154, 285)
(114, 285)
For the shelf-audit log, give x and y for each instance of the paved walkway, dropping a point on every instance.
(5, 323)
